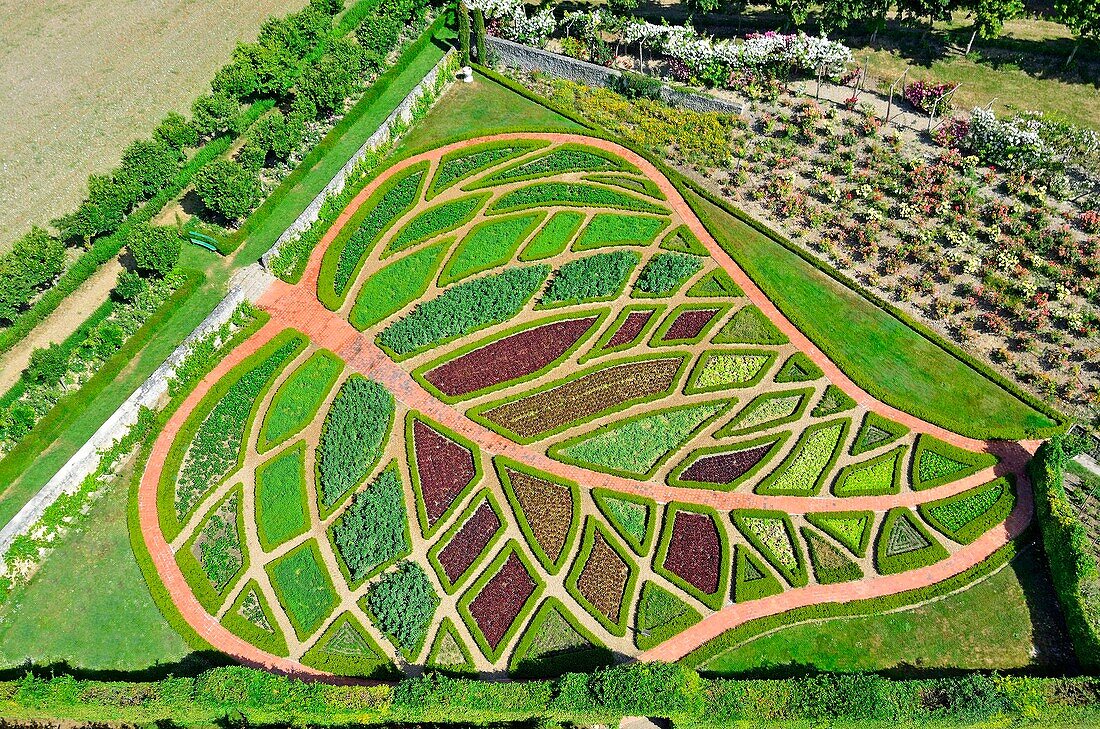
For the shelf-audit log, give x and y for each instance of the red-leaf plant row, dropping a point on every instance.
(629, 329)
(724, 468)
(495, 608)
(694, 551)
(444, 468)
(689, 323)
(507, 359)
(469, 542)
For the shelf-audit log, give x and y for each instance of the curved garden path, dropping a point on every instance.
(297, 306)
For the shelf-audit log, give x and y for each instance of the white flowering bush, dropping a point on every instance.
(532, 31)
(496, 8)
(1029, 141)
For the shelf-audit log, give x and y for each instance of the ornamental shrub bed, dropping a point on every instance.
(750, 326)
(389, 202)
(693, 552)
(402, 604)
(298, 398)
(632, 516)
(904, 543)
(874, 477)
(216, 446)
(724, 467)
(443, 470)
(772, 533)
(936, 463)
(458, 166)
(513, 357)
(798, 368)
(498, 602)
(303, 587)
(767, 411)
(250, 618)
(581, 397)
(568, 158)
(396, 285)
(808, 464)
(966, 516)
(435, 221)
(449, 654)
(722, 369)
(875, 432)
(352, 437)
(472, 538)
(618, 229)
(603, 579)
(833, 401)
(665, 273)
(830, 565)
(546, 509)
(282, 511)
(716, 284)
(685, 325)
(489, 244)
(752, 578)
(576, 194)
(661, 615)
(636, 447)
(373, 531)
(464, 308)
(553, 238)
(597, 277)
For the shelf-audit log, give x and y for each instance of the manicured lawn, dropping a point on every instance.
(878, 351)
(992, 624)
(88, 605)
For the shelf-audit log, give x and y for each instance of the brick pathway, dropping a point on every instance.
(297, 306)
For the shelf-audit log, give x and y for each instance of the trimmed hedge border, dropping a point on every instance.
(925, 442)
(621, 166)
(766, 487)
(820, 520)
(804, 394)
(896, 454)
(798, 577)
(640, 548)
(419, 372)
(467, 669)
(639, 184)
(521, 147)
(691, 387)
(510, 547)
(888, 564)
(484, 496)
(553, 566)
(475, 413)
(713, 600)
(166, 492)
(592, 525)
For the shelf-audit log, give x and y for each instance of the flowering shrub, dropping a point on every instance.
(923, 95)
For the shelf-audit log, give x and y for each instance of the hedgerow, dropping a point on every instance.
(568, 158)
(597, 277)
(402, 604)
(489, 244)
(464, 308)
(434, 221)
(553, 238)
(303, 587)
(298, 398)
(576, 194)
(392, 199)
(966, 516)
(396, 285)
(665, 273)
(352, 437)
(374, 530)
(216, 446)
(618, 229)
(282, 511)
(463, 163)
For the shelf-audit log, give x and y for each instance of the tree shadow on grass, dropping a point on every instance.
(190, 665)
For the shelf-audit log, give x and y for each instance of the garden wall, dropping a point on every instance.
(528, 58)
(403, 113)
(247, 285)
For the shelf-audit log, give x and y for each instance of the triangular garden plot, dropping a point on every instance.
(875, 476)
(799, 368)
(633, 517)
(876, 431)
(850, 528)
(936, 463)
(682, 240)
(750, 326)
(347, 649)
(830, 564)
(772, 533)
(660, 616)
(250, 617)
(444, 466)
(449, 654)
(752, 579)
(717, 283)
(555, 643)
(904, 543)
(545, 507)
(833, 401)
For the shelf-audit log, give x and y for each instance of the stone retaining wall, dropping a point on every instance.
(528, 58)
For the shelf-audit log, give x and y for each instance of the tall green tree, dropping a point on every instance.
(155, 250)
(839, 15)
(463, 34)
(990, 16)
(794, 12)
(1082, 17)
(228, 189)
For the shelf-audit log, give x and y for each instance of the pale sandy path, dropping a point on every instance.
(297, 306)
